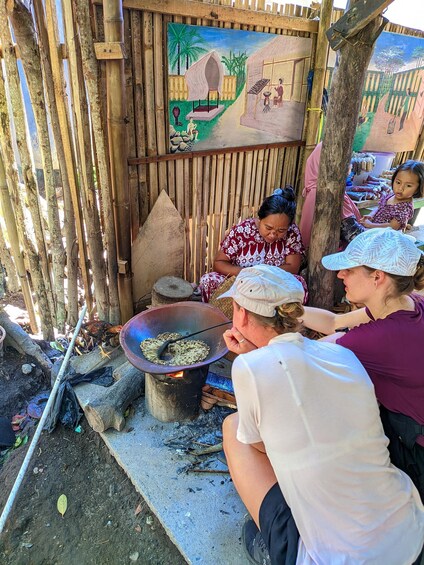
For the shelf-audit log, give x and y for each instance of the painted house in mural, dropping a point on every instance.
(204, 82)
(392, 105)
(276, 87)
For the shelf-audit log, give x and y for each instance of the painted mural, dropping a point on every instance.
(232, 88)
(392, 105)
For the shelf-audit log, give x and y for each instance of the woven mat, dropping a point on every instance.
(226, 304)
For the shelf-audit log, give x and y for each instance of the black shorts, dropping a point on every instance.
(278, 528)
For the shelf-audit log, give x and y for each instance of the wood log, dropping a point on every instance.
(106, 406)
(168, 290)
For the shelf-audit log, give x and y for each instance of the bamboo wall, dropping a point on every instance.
(211, 190)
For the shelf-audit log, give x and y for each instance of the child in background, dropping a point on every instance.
(396, 208)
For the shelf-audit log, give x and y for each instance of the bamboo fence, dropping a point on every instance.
(104, 92)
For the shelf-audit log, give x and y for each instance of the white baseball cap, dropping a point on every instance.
(262, 288)
(379, 248)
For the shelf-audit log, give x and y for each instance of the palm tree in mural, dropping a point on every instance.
(236, 65)
(184, 43)
(191, 47)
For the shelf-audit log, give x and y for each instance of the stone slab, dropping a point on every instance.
(201, 513)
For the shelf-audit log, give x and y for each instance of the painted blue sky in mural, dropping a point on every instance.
(407, 43)
(224, 40)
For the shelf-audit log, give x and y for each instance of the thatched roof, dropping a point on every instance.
(204, 75)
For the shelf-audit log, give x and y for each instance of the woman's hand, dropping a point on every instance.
(237, 343)
(222, 264)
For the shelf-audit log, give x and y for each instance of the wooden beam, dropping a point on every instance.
(211, 152)
(355, 19)
(228, 14)
(110, 50)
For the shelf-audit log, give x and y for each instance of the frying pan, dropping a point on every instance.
(180, 317)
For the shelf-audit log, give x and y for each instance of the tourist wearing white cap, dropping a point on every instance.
(380, 269)
(306, 450)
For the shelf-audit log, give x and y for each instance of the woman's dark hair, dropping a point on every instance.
(416, 167)
(282, 201)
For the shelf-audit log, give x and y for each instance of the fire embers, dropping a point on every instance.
(184, 352)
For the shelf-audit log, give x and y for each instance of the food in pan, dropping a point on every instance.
(183, 352)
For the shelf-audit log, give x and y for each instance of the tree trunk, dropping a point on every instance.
(24, 238)
(69, 217)
(23, 143)
(90, 209)
(26, 39)
(5, 254)
(69, 163)
(342, 116)
(92, 81)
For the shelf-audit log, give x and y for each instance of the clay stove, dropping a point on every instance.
(173, 393)
(175, 397)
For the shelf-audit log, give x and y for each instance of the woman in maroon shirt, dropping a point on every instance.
(381, 268)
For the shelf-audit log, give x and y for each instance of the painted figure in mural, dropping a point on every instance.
(311, 467)
(278, 100)
(272, 239)
(192, 130)
(397, 208)
(267, 96)
(405, 107)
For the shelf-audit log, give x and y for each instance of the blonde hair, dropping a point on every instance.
(285, 320)
(404, 284)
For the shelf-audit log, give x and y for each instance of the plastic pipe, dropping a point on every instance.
(33, 444)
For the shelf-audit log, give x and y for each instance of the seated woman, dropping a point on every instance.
(381, 268)
(271, 239)
(306, 450)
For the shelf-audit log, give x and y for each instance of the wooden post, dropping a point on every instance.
(116, 114)
(314, 104)
(64, 123)
(342, 116)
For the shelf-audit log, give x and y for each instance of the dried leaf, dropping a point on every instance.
(138, 510)
(62, 504)
(138, 528)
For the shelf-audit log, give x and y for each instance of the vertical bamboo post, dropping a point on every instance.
(91, 73)
(68, 213)
(118, 152)
(10, 221)
(314, 109)
(83, 140)
(65, 129)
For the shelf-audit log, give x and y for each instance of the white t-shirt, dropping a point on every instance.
(313, 405)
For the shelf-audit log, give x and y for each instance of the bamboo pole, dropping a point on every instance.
(314, 107)
(61, 99)
(133, 187)
(86, 167)
(21, 132)
(149, 98)
(140, 133)
(118, 151)
(92, 82)
(26, 38)
(69, 218)
(159, 86)
(12, 231)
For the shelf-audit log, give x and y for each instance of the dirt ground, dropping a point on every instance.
(106, 522)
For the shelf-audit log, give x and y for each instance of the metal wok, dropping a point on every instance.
(180, 317)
